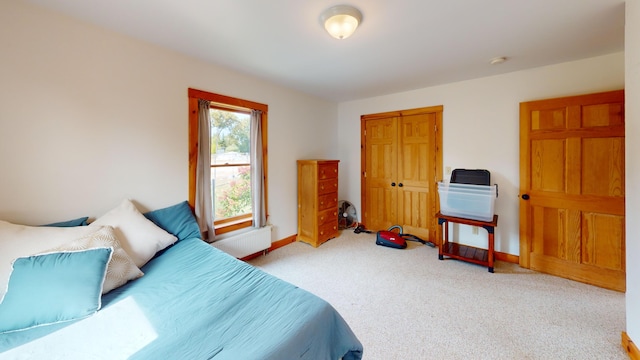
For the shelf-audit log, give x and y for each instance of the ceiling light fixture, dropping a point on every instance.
(341, 21)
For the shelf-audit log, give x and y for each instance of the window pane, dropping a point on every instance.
(231, 186)
(230, 142)
(230, 155)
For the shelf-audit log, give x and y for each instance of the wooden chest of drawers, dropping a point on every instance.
(317, 200)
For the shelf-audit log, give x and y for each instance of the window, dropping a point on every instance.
(230, 164)
(230, 157)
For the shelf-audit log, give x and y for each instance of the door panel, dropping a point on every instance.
(603, 168)
(604, 245)
(548, 166)
(548, 119)
(572, 168)
(603, 115)
(415, 213)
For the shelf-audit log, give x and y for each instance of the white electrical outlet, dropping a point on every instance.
(447, 170)
(474, 230)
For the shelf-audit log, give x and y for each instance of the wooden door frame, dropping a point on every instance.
(433, 186)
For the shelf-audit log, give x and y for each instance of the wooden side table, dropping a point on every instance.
(463, 252)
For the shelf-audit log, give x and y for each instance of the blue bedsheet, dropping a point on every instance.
(196, 302)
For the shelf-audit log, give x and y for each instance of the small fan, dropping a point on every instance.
(347, 216)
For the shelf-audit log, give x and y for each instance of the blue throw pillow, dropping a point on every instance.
(51, 288)
(177, 220)
(70, 223)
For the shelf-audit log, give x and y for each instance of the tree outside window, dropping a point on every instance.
(230, 163)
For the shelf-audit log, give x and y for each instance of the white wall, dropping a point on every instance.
(632, 119)
(481, 127)
(88, 117)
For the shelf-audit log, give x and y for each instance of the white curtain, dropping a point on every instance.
(257, 171)
(203, 205)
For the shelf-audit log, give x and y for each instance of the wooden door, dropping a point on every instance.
(416, 174)
(402, 162)
(381, 152)
(572, 188)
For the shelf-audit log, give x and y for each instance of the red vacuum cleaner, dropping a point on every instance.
(398, 240)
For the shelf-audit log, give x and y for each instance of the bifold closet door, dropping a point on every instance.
(401, 166)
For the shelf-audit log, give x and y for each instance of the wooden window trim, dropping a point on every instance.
(194, 95)
(234, 223)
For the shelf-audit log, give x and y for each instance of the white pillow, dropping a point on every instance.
(139, 237)
(21, 240)
(120, 269)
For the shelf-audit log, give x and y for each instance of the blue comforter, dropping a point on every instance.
(196, 302)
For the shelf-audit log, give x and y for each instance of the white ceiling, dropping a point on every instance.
(401, 44)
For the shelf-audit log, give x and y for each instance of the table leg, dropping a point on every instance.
(490, 252)
(443, 239)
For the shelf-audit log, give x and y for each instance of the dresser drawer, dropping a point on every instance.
(326, 216)
(328, 186)
(328, 201)
(327, 171)
(327, 231)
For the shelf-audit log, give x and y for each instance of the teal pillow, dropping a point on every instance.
(51, 288)
(177, 220)
(70, 223)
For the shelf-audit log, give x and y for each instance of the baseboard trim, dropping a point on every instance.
(630, 347)
(280, 243)
(274, 245)
(515, 259)
(499, 256)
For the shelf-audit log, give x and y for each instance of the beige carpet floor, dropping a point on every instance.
(407, 304)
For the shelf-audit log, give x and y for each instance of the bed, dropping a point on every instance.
(193, 302)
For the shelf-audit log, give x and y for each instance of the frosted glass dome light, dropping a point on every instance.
(341, 21)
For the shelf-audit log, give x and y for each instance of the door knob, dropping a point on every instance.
(400, 185)
(393, 184)
(525, 196)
